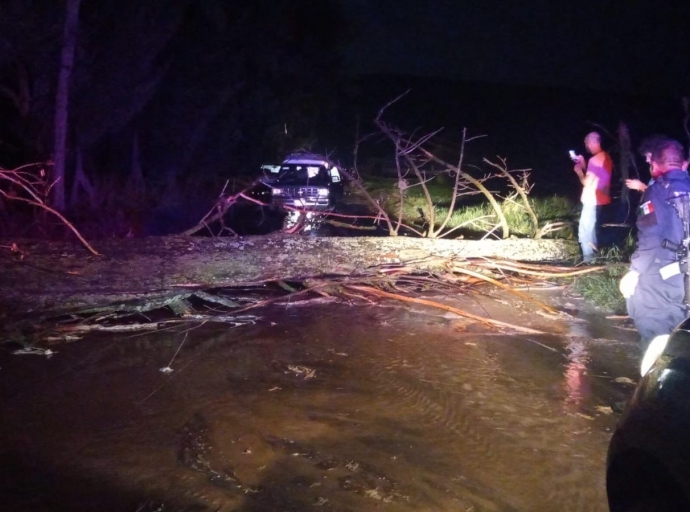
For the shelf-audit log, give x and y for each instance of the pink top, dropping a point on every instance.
(597, 180)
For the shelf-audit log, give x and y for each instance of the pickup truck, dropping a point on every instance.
(304, 180)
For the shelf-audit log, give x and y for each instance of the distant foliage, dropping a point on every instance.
(206, 89)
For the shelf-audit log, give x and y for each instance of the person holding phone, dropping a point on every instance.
(595, 177)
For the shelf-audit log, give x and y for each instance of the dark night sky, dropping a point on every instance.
(633, 46)
(225, 90)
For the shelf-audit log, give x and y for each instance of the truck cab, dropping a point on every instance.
(304, 180)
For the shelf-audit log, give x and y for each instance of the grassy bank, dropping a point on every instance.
(601, 288)
(473, 215)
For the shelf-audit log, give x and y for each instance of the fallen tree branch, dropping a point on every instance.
(486, 321)
(233, 320)
(37, 189)
(478, 275)
(529, 269)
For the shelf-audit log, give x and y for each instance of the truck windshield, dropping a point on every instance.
(303, 174)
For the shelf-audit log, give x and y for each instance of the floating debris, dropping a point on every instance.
(34, 351)
(308, 373)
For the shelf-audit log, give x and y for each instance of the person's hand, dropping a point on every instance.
(629, 283)
(635, 185)
(580, 164)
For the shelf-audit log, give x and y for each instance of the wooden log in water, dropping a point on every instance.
(62, 277)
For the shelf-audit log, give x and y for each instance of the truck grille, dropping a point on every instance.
(301, 191)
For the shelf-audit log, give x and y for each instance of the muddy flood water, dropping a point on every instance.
(321, 406)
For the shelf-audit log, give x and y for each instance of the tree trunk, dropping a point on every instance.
(21, 97)
(192, 143)
(625, 156)
(62, 277)
(136, 184)
(686, 120)
(62, 102)
(81, 182)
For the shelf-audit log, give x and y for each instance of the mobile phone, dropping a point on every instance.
(572, 154)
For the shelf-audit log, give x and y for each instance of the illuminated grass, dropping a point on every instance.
(481, 218)
(476, 219)
(601, 288)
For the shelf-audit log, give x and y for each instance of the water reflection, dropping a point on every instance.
(577, 382)
(577, 379)
(330, 406)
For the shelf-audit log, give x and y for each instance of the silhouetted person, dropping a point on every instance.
(646, 149)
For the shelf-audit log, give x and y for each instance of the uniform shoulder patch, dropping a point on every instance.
(646, 208)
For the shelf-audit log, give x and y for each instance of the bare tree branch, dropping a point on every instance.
(37, 188)
(503, 169)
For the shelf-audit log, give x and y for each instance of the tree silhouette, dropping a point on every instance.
(196, 84)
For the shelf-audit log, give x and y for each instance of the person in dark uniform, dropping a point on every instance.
(653, 287)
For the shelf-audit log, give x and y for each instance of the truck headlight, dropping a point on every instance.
(323, 192)
(277, 191)
(653, 352)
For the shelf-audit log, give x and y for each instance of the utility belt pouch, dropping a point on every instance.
(670, 270)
